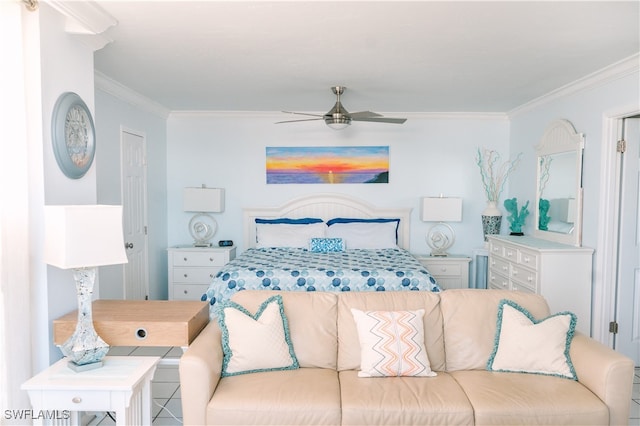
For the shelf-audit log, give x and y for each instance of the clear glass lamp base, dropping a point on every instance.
(440, 237)
(84, 349)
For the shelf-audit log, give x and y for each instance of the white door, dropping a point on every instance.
(134, 190)
(627, 341)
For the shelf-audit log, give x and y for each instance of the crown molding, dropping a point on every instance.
(606, 75)
(122, 92)
(85, 20)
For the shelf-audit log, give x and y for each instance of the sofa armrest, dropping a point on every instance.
(200, 368)
(607, 373)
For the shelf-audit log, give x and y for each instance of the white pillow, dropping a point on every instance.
(525, 345)
(287, 235)
(253, 343)
(392, 343)
(365, 235)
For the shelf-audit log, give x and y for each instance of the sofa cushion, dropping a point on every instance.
(392, 343)
(403, 401)
(348, 343)
(292, 397)
(526, 345)
(257, 341)
(469, 317)
(312, 323)
(520, 398)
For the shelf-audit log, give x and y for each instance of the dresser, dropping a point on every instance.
(191, 269)
(451, 271)
(559, 272)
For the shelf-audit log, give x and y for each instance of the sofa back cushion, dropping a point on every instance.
(469, 319)
(312, 323)
(348, 343)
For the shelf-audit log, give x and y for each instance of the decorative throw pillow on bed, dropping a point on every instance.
(326, 245)
(392, 343)
(525, 345)
(255, 342)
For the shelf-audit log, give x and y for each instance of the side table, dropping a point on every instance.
(122, 385)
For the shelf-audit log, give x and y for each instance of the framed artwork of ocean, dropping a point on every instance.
(341, 164)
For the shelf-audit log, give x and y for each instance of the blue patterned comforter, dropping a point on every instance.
(296, 269)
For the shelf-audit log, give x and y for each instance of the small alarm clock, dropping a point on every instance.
(225, 243)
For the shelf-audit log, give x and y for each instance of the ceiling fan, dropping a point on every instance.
(339, 118)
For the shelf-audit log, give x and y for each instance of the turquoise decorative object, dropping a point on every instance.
(543, 220)
(516, 218)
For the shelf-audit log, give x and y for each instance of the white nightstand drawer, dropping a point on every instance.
(193, 258)
(446, 269)
(194, 275)
(189, 291)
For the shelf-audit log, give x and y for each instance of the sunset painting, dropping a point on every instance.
(355, 164)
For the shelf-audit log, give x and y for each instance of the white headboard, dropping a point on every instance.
(326, 206)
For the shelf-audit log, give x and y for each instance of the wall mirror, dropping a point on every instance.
(558, 210)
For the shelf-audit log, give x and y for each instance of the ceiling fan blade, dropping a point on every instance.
(295, 121)
(380, 119)
(303, 113)
(364, 114)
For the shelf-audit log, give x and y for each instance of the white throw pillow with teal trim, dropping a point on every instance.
(525, 345)
(255, 342)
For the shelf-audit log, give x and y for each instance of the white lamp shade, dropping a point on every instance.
(203, 200)
(441, 209)
(83, 236)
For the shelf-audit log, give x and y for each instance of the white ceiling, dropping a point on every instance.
(418, 56)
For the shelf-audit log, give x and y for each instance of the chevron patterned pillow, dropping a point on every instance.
(392, 343)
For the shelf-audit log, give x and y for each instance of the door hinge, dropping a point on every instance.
(621, 146)
(145, 230)
(613, 327)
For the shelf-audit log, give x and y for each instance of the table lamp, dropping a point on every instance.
(81, 238)
(203, 201)
(440, 237)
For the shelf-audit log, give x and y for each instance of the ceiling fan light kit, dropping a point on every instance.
(339, 118)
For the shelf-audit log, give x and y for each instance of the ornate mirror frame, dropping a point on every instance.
(558, 207)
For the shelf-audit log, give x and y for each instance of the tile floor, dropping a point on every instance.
(165, 388)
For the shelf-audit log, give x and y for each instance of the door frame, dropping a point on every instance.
(606, 275)
(142, 135)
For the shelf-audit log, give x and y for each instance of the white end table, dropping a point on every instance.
(122, 385)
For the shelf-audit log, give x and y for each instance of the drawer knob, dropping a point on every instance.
(76, 400)
(185, 292)
(443, 269)
(185, 259)
(185, 275)
(210, 275)
(515, 272)
(211, 259)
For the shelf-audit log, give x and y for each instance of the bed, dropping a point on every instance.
(323, 242)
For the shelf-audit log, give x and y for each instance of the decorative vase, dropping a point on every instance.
(491, 219)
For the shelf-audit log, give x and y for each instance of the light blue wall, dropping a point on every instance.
(112, 115)
(428, 156)
(586, 110)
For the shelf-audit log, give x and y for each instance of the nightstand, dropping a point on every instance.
(122, 385)
(451, 271)
(191, 269)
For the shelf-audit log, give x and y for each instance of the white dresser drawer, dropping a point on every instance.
(524, 276)
(500, 266)
(521, 288)
(496, 248)
(189, 291)
(498, 281)
(194, 275)
(191, 258)
(528, 258)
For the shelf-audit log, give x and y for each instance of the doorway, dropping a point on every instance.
(627, 307)
(134, 201)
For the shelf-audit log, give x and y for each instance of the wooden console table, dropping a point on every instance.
(140, 322)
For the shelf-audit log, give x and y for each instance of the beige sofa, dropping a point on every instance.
(459, 336)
